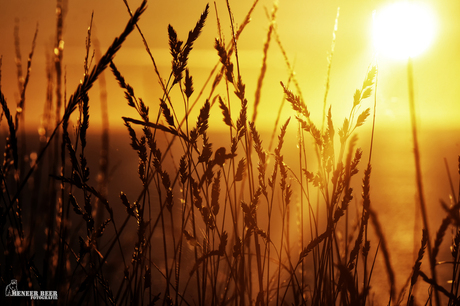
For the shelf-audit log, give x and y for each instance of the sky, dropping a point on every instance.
(305, 30)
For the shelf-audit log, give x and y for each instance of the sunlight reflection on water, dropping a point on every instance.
(393, 193)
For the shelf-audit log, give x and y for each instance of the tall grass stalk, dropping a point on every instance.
(329, 65)
(418, 172)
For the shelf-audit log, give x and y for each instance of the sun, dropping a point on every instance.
(403, 29)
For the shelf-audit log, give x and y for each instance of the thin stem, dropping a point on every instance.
(418, 171)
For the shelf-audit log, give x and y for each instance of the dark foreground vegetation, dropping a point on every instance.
(236, 224)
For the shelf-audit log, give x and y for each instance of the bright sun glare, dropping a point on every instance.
(403, 29)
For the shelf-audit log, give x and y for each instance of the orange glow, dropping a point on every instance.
(305, 30)
(291, 45)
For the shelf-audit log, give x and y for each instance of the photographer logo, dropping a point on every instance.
(11, 290)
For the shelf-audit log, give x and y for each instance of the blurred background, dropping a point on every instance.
(305, 29)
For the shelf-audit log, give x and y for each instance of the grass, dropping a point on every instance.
(233, 225)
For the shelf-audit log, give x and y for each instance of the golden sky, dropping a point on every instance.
(305, 29)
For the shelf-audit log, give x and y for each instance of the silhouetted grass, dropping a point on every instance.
(211, 226)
